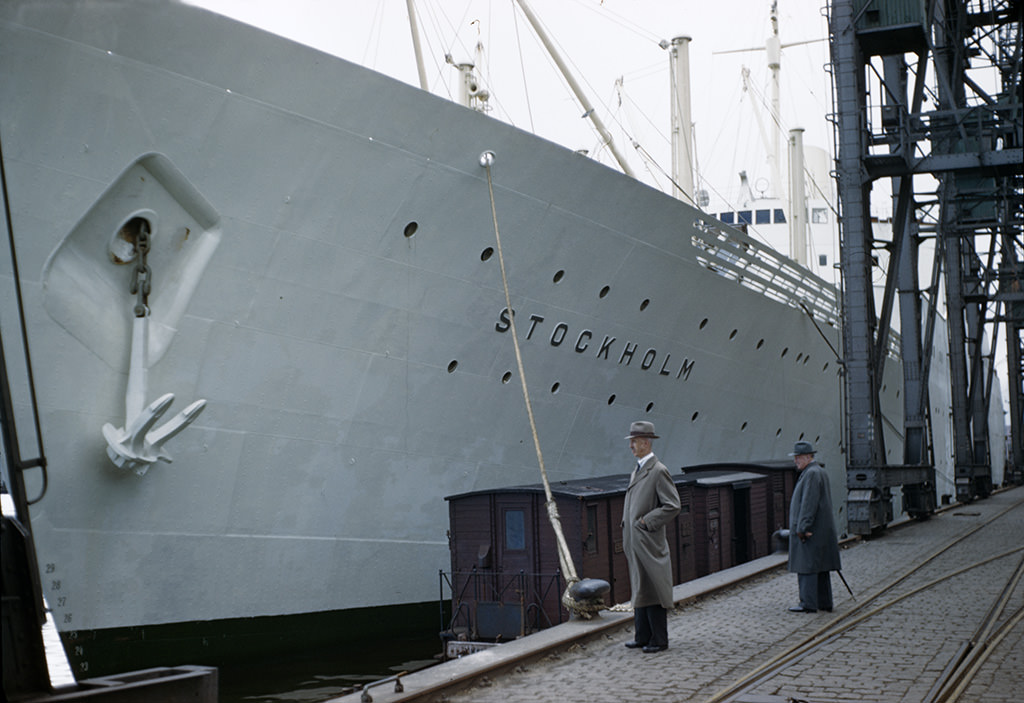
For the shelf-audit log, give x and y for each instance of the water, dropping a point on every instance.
(319, 675)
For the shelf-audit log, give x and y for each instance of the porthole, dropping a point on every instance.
(645, 303)
(784, 352)
(506, 377)
(604, 291)
(743, 427)
(452, 366)
(704, 323)
(778, 432)
(732, 335)
(555, 386)
(799, 357)
(410, 229)
(801, 436)
(559, 275)
(611, 399)
(650, 407)
(760, 343)
(486, 254)
(825, 367)
(807, 358)
(693, 418)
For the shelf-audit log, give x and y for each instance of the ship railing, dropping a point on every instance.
(731, 254)
(494, 606)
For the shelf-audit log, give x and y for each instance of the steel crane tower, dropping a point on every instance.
(928, 95)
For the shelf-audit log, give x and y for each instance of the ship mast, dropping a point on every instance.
(797, 198)
(588, 109)
(773, 48)
(682, 121)
(414, 28)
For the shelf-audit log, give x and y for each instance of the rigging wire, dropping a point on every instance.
(437, 18)
(620, 21)
(623, 108)
(522, 66)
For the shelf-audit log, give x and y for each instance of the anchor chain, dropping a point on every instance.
(142, 280)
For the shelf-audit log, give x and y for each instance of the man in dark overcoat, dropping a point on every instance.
(813, 545)
(651, 502)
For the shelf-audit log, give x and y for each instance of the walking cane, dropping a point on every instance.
(843, 578)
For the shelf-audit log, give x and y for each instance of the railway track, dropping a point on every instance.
(960, 670)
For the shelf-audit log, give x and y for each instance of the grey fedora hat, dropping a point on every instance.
(642, 429)
(802, 448)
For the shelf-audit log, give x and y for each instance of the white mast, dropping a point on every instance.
(797, 198)
(414, 28)
(588, 109)
(682, 121)
(773, 48)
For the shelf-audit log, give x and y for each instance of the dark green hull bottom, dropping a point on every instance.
(233, 642)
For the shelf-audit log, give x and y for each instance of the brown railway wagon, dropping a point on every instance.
(730, 518)
(504, 558)
(782, 476)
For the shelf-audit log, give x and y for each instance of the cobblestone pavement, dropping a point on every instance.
(895, 655)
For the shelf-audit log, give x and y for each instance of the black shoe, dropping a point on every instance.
(652, 648)
(801, 609)
(635, 645)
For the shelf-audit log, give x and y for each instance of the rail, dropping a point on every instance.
(957, 673)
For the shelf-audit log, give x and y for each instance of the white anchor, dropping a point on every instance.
(137, 446)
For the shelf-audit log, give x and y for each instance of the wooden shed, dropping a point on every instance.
(505, 573)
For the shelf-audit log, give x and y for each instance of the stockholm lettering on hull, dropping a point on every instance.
(609, 348)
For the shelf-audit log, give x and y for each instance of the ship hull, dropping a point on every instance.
(337, 300)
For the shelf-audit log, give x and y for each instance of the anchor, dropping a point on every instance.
(137, 446)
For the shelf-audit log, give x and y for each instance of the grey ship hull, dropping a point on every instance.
(334, 302)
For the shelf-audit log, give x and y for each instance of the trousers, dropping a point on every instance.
(650, 625)
(815, 590)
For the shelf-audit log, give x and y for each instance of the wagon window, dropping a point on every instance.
(590, 543)
(515, 529)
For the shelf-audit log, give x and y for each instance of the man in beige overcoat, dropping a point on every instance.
(651, 502)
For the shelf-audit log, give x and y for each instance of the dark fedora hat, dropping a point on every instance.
(642, 429)
(802, 448)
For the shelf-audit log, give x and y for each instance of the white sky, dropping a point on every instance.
(603, 40)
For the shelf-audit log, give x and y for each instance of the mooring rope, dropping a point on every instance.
(564, 556)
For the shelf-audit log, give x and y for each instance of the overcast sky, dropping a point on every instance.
(603, 40)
